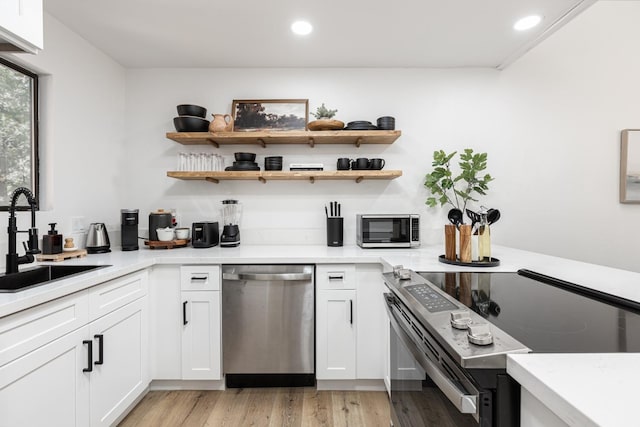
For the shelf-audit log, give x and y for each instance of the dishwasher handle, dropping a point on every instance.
(267, 276)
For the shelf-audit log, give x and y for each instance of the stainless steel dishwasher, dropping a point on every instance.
(268, 324)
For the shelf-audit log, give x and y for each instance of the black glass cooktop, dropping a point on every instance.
(546, 317)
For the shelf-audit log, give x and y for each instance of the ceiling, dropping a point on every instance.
(352, 33)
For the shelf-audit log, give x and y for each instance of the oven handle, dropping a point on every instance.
(465, 403)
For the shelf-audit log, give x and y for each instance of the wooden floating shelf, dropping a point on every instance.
(264, 176)
(289, 137)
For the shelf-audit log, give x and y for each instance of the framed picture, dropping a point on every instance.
(270, 114)
(630, 166)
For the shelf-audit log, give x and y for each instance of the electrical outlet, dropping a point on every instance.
(78, 224)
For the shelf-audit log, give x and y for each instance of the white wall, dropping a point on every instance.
(550, 124)
(82, 130)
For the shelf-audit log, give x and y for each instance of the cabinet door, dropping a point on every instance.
(47, 387)
(336, 335)
(21, 24)
(201, 334)
(165, 314)
(120, 361)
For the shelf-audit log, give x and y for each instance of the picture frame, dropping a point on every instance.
(254, 115)
(630, 166)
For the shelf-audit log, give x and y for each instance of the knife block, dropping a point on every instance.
(334, 231)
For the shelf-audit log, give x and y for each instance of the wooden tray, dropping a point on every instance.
(491, 262)
(158, 244)
(325, 125)
(80, 253)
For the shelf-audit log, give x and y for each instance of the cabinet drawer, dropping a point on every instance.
(336, 276)
(200, 278)
(30, 329)
(116, 293)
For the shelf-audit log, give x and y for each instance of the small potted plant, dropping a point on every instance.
(325, 119)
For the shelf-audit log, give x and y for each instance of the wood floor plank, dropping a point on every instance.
(268, 407)
(287, 408)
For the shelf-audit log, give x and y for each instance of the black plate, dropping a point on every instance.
(242, 168)
(491, 262)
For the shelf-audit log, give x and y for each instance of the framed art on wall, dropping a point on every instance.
(270, 114)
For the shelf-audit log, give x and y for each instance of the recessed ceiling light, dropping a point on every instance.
(527, 22)
(301, 28)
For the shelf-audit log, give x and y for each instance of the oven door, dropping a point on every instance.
(424, 392)
(392, 229)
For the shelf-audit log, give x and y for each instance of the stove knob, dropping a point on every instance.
(460, 319)
(479, 334)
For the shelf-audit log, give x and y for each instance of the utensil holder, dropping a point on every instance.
(465, 243)
(334, 231)
(450, 242)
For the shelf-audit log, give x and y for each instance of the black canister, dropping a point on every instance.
(129, 229)
(334, 231)
(158, 219)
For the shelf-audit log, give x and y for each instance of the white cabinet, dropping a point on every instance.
(201, 335)
(186, 322)
(21, 27)
(81, 360)
(120, 361)
(47, 386)
(350, 322)
(335, 334)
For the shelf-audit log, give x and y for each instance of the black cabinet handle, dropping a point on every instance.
(100, 339)
(351, 311)
(184, 313)
(89, 367)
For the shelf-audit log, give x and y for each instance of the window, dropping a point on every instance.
(18, 132)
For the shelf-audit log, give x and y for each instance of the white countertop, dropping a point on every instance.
(599, 398)
(582, 389)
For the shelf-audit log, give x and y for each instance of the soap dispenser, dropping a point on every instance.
(52, 241)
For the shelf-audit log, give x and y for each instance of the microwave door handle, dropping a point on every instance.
(465, 403)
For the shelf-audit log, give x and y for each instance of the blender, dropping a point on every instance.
(231, 211)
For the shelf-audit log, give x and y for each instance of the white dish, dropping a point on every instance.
(165, 234)
(70, 249)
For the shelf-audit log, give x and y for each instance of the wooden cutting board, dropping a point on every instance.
(158, 244)
(80, 253)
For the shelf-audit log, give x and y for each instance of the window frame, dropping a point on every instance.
(35, 136)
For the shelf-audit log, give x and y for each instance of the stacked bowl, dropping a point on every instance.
(386, 123)
(191, 118)
(273, 163)
(244, 162)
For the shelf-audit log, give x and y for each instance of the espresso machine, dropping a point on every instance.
(231, 212)
(129, 229)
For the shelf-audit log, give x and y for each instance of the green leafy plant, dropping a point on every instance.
(323, 113)
(460, 189)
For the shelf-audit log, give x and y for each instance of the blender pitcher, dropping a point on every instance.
(231, 212)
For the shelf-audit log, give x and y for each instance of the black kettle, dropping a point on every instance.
(98, 239)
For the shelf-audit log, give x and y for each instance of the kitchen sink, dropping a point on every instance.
(41, 276)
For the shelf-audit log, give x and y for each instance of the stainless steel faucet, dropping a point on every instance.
(13, 260)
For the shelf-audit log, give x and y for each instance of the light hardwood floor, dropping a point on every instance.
(273, 407)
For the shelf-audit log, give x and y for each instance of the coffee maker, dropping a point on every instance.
(231, 211)
(129, 229)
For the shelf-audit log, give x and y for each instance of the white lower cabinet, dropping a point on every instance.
(335, 334)
(47, 387)
(86, 374)
(120, 354)
(201, 335)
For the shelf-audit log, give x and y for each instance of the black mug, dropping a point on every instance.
(376, 164)
(343, 164)
(360, 163)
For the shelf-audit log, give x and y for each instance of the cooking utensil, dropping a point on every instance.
(493, 215)
(473, 216)
(455, 216)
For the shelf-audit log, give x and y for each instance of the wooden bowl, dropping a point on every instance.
(326, 125)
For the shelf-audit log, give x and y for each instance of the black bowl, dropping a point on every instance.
(190, 124)
(191, 110)
(245, 157)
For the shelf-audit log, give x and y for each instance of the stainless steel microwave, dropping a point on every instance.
(388, 231)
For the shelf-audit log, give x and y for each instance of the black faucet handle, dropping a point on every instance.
(33, 242)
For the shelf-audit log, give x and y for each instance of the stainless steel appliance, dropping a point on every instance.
(98, 239)
(268, 325)
(231, 212)
(450, 334)
(204, 234)
(388, 231)
(129, 229)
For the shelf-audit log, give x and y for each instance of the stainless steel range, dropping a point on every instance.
(451, 332)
